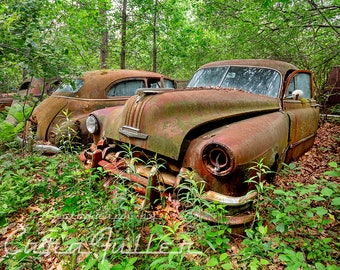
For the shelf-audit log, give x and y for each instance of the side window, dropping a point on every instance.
(126, 88)
(301, 81)
(168, 84)
(154, 83)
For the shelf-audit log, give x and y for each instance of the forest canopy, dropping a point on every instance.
(49, 38)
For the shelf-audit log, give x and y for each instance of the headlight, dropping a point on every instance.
(92, 124)
(218, 159)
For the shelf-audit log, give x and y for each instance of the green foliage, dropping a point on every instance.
(67, 133)
(335, 109)
(69, 215)
(66, 39)
(336, 170)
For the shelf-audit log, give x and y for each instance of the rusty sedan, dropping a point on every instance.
(35, 86)
(230, 115)
(62, 116)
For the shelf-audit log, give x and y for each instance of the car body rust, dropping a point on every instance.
(62, 115)
(231, 116)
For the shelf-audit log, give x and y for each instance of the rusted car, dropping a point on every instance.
(6, 100)
(35, 86)
(62, 115)
(332, 91)
(230, 115)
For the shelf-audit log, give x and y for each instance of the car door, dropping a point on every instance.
(303, 112)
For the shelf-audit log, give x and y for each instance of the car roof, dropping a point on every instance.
(282, 67)
(102, 78)
(109, 74)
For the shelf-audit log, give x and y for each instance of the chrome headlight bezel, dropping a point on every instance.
(92, 124)
(218, 159)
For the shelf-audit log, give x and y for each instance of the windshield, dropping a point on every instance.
(71, 87)
(256, 80)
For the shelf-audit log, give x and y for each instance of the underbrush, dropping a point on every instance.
(56, 214)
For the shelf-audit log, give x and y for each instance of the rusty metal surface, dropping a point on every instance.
(52, 114)
(35, 86)
(263, 137)
(5, 101)
(304, 118)
(97, 82)
(332, 87)
(168, 118)
(282, 67)
(212, 136)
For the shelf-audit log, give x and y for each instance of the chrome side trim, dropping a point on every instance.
(132, 132)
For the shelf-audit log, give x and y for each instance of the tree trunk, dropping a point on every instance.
(104, 47)
(123, 50)
(154, 44)
(104, 52)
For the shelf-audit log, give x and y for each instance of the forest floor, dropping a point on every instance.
(308, 170)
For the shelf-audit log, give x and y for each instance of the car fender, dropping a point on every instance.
(263, 137)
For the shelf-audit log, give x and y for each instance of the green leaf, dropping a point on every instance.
(64, 225)
(318, 198)
(332, 173)
(132, 260)
(264, 262)
(336, 201)
(309, 214)
(327, 192)
(333, 164)
(280, 228)
(224, 256)
(104, 265)
(212, 262)
(299, 256)
(159, 261)
(227, 266)
(263, 230)
(90, 264)
(279, 192)
(73, 242)
(319, 266)
(320, 211)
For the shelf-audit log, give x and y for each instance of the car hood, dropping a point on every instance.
(162, 122)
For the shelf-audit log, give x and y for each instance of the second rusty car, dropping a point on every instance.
(232, 115)
(62, 116)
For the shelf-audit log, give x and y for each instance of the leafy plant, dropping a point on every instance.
(67, 134)
(72, 216)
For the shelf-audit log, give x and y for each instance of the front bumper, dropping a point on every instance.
(144, 177)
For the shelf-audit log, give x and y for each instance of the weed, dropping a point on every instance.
(290, 168)
(74, 220)
(67, 134)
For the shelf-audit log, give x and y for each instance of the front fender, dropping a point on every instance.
(262, 137)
